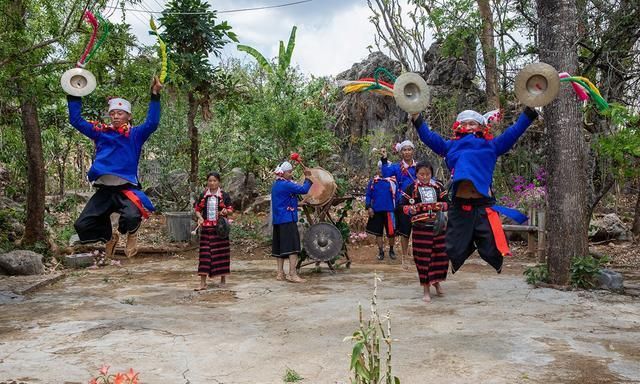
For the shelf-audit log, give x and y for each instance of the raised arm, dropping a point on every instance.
(430, 138)
(74, 103)
(144, 130)
(292, 187)
(510, 136)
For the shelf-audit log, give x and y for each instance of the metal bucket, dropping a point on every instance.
(179, 226)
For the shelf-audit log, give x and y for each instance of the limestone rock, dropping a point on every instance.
(22, 262)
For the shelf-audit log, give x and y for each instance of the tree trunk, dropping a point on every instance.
(193, 136)
(567, 204)
(489, 55)
(635, 228)
(34, 226)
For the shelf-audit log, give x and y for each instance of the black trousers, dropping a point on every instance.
(469, 229)
(94, 223)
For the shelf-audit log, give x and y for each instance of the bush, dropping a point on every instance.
(537, 274)
(585, 270)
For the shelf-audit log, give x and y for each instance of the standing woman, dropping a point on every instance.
(214, 205)
(429, 251)
(405, 173)
(284, 214)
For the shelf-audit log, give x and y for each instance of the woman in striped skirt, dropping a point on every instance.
(213, 205)
(429, 251)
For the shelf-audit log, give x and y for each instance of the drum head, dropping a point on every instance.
(323, 188)
(323, 241)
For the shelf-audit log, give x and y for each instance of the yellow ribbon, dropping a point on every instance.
(163, 51)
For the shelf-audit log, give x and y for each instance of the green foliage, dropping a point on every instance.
(622, 146)
(291, 376)
(537, 274)
(192, 34)
(585, 270)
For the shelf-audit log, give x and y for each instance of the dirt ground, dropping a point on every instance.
(488, 328)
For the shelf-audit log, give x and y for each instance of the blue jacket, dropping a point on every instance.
(116, 154)
(404, 179)
(381, 194)
(473, 158)
(284, 200)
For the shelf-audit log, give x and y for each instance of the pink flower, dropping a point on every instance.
(104, 370)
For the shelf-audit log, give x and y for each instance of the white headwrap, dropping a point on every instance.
(284, 167)
(121, 104)
(492, 117)
(470, 115)
(406, 143)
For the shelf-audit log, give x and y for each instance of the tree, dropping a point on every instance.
(489, 55)
(277, 73)
(192, 35)
(29, 32)
(566, 149)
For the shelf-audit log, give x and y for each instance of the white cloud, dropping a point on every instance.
(334, 47)
(331, 36)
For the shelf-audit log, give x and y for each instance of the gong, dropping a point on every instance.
(322, 241)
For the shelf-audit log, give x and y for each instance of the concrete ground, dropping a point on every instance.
(488, 328)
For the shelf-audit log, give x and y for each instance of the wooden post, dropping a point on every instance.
(541, 237)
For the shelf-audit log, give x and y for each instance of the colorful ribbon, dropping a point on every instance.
(585, 90)
(163, 50)
(373, 84)
(92, 46)
(88, 16)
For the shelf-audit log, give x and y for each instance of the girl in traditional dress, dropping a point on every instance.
(428, 244)
(214, 205)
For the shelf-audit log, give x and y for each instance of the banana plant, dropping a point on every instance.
(276, 73)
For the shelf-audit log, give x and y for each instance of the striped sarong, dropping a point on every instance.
(430, 255)
(214, 254)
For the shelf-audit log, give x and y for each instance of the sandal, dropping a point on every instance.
(296, 279)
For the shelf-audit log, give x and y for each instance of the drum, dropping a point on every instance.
(323, 188)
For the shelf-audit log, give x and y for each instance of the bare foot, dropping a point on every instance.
(405, 266)
(201, 288)
(426, 298)
(223, 280)
(439, 290)
(295, 279)
(280, 277)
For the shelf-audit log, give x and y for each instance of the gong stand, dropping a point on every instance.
(319, 215)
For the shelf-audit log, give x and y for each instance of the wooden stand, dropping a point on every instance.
(323, 214)
(535, 233)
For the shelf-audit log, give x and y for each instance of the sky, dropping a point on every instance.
(332, 34)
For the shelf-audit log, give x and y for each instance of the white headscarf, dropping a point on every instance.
(492, 116)
(121, 104)
(470, 115)
(406, 143)
(282, 168)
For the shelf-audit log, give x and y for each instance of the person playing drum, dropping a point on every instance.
(284, 214)
(422, 201)
(114, 171)
(471, 157)
(405, 173)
